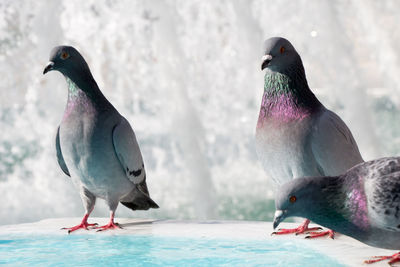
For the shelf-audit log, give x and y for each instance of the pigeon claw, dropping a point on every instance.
(303, 228)
(307, 230)
(329, 233)
(392, 259)
(110, 225)
(83, 225)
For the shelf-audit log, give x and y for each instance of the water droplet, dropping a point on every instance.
(313, 33)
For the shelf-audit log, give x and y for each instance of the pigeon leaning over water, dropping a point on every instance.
(363, 203)
(95, 145)
(296, 135)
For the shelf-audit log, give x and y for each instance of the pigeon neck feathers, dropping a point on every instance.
(83, 89)
(287, 96)
(338, 202)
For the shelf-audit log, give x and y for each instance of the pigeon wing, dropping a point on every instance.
(383, 197)
(128, 152)
(333, 145)
(59, 155)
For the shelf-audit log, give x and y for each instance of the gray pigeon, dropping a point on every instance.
(363, 203)
(95, 145)
(296, 135)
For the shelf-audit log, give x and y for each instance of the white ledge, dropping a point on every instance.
(344, 249)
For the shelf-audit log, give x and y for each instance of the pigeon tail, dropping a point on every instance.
(141, 203)
(144, 203)
(139, 199)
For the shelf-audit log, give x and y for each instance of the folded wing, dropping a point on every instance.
(333, 145)
(128, 152)
(60, 158)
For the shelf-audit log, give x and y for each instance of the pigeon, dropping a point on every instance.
(363, 203)
(296, 135)
(96, 145)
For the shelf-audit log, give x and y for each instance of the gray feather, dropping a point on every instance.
(128, 152)
(60, 158)
(333, 145)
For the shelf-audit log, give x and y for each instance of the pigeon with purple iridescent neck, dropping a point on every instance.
(96, 145)
(296, 135)
(363, 203)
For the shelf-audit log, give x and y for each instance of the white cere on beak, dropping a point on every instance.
(278, 213)
(266, 57)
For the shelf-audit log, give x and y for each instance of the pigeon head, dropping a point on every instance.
(72, 65)
(319, 199)
(294, 199)
(68, 61)
(285, 83)
(279, 55)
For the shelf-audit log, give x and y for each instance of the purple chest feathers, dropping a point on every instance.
(280, 109)
(357, 205)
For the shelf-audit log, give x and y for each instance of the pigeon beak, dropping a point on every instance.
(280, 215)
(266, 59)
(48, 67)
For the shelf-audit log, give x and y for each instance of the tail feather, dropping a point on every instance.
(139, 199)
(141, 203)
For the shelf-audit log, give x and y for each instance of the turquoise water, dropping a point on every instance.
(100, 250)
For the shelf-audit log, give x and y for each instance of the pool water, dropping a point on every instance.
(147, 250)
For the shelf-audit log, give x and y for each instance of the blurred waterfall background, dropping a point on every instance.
(186, 74)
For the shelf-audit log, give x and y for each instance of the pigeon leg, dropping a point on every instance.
(329, 233)
(394, 258)
(88, 200)
(303, 228)
(110, 225)
(83, 225)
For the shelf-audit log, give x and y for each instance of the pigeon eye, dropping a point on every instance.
(64, 55)
(282, 49)
(292, 199)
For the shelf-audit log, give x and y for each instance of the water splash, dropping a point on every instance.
(186, 75)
